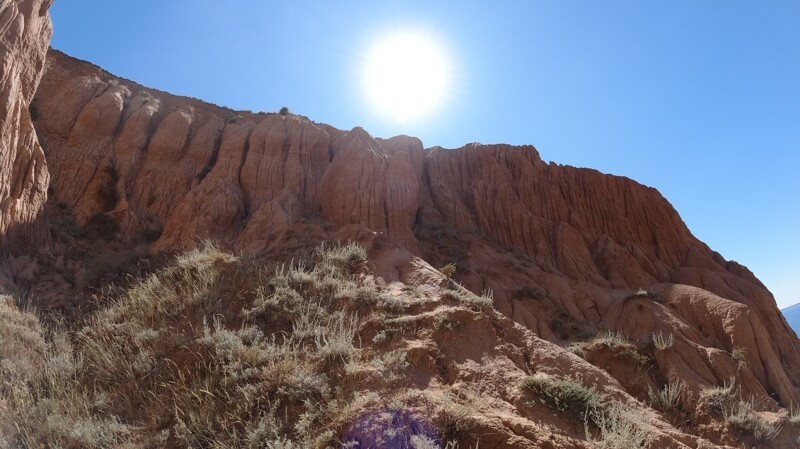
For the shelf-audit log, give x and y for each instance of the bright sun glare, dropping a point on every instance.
(406, 75)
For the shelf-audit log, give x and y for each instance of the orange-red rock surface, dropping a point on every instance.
(25, 31)
(562, 249)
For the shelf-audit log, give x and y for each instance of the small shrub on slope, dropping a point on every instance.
(739, 413)
(668, 397)
(739, 356)
(622, 347)
(565, 396)
(618, 428)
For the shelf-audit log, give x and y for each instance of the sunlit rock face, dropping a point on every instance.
(25, 31)
(564, 250)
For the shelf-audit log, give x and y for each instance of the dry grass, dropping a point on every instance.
(210, 352)
(622, 347)
(618, 428)
(740, 413)
(667, 398)
(462, 295)
(577, 348)
(608, 425)
(41, 401)
(663, 342)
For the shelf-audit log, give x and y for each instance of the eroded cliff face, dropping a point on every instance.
(25, 31)
(562, 249)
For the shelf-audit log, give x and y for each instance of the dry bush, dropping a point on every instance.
(668, 397)
(577, 348)
(622, 347)
(618, 428)
(462, 295)
(743, 416)
(740, 413)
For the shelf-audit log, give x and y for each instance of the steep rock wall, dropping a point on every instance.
(25, 31)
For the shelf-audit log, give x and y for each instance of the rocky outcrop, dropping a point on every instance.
(25, 31)
(564, 250)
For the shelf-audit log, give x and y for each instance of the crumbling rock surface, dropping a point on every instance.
(25, 32)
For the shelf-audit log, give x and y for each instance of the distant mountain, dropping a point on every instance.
(792, 315)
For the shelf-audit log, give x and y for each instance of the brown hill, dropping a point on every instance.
(573, 260)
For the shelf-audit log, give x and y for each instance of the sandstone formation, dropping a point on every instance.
(566, 252)
(25, 32)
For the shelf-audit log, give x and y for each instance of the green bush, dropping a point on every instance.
(739, 356)
(565, 396)
(448, 270)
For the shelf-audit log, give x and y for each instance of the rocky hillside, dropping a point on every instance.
(565, 298)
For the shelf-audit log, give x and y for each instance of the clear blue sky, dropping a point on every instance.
(699, 99)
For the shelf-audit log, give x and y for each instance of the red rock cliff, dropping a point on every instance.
(25, 32)
(560, 247)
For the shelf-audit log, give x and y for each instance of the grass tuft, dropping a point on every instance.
(667, 398)
(622, 347)
(663, 342)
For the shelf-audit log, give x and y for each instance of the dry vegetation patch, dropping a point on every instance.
(217, 352)
(209, 352)
(740, 413)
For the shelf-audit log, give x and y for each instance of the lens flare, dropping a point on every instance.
(406, 75)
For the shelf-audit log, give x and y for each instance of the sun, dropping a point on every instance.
(406, 75)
